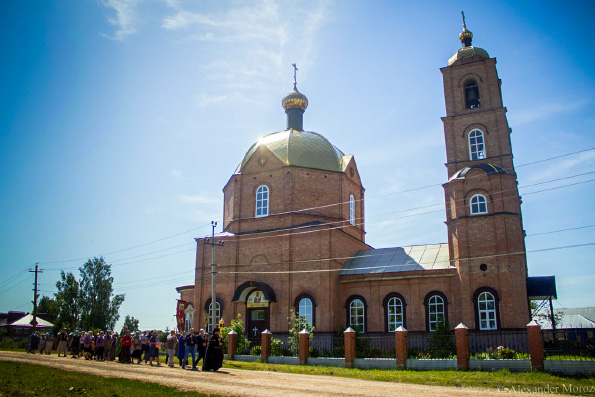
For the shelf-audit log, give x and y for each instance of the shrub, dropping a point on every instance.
(255, 351)
(297, 325)
(276, 347)
(238, 326)
(440, 344)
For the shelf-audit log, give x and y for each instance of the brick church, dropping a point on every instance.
(294, 229)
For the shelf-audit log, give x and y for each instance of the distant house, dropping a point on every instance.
(18, 324)
(573, 324)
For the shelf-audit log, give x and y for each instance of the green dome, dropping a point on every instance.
(299, 148)
(467, 52)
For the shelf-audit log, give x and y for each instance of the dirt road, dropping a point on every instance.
(234, 382)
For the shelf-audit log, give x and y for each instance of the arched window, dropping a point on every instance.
(217, 316)
(306, 309)
(472, 95)
(352, 209)
(487, 311)
(356, 313)
(305, 306)
(478, 204)
(394, 310)
(486, 308)
(436, 310)
(188, 316)
(476, 145)
(262, 201)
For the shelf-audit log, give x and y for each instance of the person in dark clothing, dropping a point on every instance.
(201, 345)
(214, 354)
(75, 345)
(34, 342)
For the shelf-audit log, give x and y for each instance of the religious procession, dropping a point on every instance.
(135, 347)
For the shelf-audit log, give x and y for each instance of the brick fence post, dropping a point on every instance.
(304, 347)
(265, 347)
(401, 347)
(535, 345)
(232, 344)
(349, 336)
(462, 341)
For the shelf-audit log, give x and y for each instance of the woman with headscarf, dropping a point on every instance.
(182, 349)
(214, 354)
(136, 348)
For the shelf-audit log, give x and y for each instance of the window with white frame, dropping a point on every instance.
(262, 201)
(435, 312)
(394, 310)
(476, 145)
(305, 310)
(356, 315)
(478, 204)
(217, 316)
(188, 317)
(486, 306)
(352, 209)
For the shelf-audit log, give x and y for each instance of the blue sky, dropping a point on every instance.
(121, 121)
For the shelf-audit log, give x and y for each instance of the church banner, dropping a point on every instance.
(180, 314)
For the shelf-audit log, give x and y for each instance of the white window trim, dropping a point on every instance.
(352, 210)
(392, 302)
(306, 310)
(357, 316)
(438, 308)
(484, 314)
(481, 154)
(262, 204)
(485, 202)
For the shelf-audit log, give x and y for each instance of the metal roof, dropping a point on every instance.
(299, 148)
(26, 322)
(398, 259)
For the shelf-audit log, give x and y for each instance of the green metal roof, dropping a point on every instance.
(467, 52)
(299, 148)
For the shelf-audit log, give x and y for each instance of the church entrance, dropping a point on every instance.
(258, 316)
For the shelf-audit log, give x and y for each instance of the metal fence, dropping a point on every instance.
(569, 344)
(431, 345)
(499, 344)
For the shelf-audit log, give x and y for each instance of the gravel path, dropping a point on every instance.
(235, 382)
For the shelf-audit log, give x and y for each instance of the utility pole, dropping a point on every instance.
(35, 296)
(213, 276)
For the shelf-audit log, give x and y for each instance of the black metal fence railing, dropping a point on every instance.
(499, 344)
(569, 344)
(431, 345)
(327, 345)
(375, 345)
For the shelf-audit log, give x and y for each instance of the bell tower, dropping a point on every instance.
(483, 208)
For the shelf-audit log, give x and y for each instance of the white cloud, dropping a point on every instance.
(581, 163)
(177, 174)
(254, 45)
(125, 19)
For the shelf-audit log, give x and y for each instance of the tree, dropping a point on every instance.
(99, 305)
(296, 325)
(131, 323)
(68, 301)
(50, 307)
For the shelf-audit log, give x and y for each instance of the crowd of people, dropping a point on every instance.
(135, 347)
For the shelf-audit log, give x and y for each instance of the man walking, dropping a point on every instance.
(190, 342)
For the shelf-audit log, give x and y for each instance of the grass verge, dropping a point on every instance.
(19, 379)
(503, 380)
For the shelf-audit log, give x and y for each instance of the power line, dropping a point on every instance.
(319, 207)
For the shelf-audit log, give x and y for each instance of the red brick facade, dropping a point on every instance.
(306, 238)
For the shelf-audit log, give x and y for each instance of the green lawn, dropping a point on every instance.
(18, 379)
(503, 379)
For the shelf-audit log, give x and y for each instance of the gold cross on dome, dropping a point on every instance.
(295, 69)
(464, 25)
